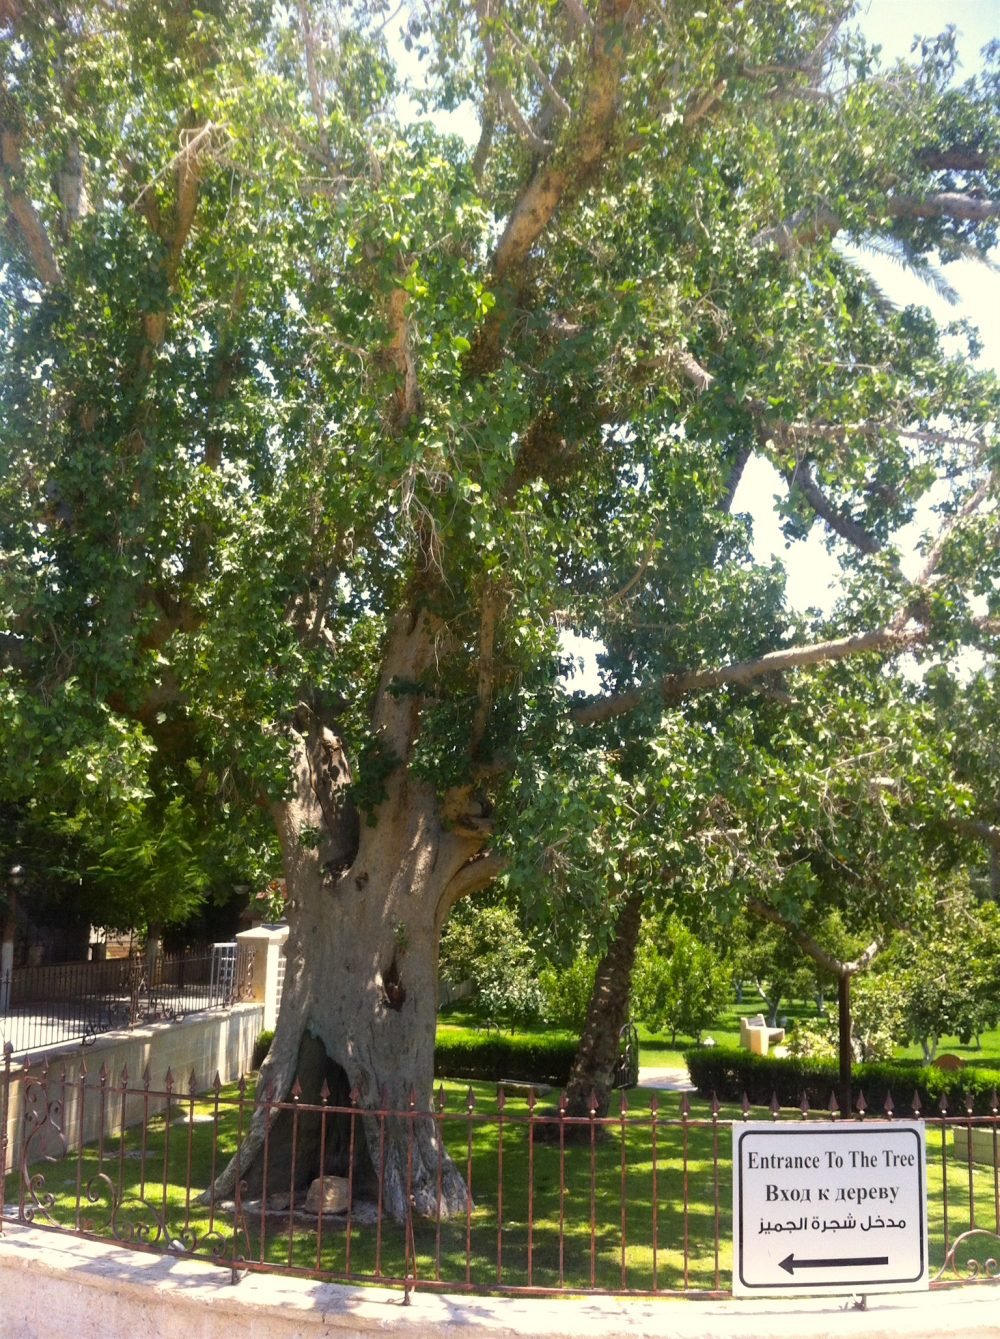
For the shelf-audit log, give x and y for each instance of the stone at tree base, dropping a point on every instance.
(329, 1194)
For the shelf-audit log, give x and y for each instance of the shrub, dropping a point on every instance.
(878, 1015)
(730, 1071)
(567, 992)
(878, 1006)
(261, 1047)
(814, 1039)
(485, 945)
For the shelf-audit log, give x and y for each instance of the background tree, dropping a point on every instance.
(949, 973)
(680, 985)
(319, 426)
(487, 947)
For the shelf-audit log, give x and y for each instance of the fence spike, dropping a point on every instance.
(804, 1104)
(123, 1077)
(994, 1107)
(943, 1104)
(103, 1075)
(685, 1106)
(440, 1097)
(217, 1083)
(745, 1104)
(532, 1100)
(296, 1093)
(833, 1106)
(411, 1100)
(355, 1096)
(8, 1049)
(168, 1082)
(969, 1104)
(654, 1105)
(916, 1105)
(888, 1106)
(501, 1097)
(562, 1103)
(592, 1104)
(324, 1093)
(241, 1087)
(192, 1084)
(470, 1098)
(147, 1078)
(623, 1104)
(716, 1106)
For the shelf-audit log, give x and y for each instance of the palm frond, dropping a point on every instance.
(900, 253)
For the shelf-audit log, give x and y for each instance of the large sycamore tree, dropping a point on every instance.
(319, 425)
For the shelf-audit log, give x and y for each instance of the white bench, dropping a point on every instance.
(757, 1037)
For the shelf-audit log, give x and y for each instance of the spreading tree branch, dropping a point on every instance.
(947, 204)
(978, 829)
(839, 521)
(474, 875)
(551, 183)
(484, 689)
(30, 228)
(811, 947)
(315, 91)
(406, 397)
(672, 688)
(819, 221)
(959, 159)
(500, 90)
(937, 549)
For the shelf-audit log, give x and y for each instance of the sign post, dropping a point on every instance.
(829, 1207)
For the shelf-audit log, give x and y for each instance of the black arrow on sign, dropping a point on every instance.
(790, 1264)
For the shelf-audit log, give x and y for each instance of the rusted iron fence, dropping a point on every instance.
(75, 1002)
(636, 1202)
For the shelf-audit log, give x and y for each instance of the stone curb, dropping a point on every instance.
(55, 1283)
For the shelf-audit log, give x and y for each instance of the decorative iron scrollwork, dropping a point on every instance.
(971, 1268)
(45, 1140)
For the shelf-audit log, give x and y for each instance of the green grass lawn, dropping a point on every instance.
(648, 1206)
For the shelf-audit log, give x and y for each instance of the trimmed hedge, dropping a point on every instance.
(731, 1071)
(489, 1056)
(493, 1057)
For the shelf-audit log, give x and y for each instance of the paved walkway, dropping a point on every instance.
(668, 1080)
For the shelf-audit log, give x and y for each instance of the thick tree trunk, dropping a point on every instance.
(366, 906)
(593, 1067)
(359, 1012)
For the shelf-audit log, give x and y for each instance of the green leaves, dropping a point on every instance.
(280, 394)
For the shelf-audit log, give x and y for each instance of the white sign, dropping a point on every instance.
(829, 1207)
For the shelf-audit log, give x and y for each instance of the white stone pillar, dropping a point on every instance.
(267, 942)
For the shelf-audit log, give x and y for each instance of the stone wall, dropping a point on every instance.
(203, 1045)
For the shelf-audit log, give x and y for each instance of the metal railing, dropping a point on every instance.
(637, 1202)
(75, 1002)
